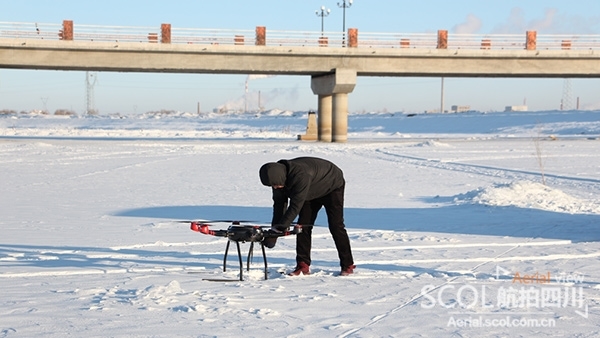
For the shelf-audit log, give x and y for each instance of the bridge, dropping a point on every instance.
(333, 60)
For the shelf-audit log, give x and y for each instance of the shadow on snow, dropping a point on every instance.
(452, 219)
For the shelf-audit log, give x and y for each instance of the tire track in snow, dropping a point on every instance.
(145, 158)
(482, 261)
(128, 166)
(420, 295)
(157, 269)
(116, 270)
(485, 170)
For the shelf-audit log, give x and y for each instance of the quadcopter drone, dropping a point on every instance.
(238, 232)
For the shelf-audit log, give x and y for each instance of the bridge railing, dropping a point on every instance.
(30, 30)
(304, 38)
(486, 41)
(397, 40)
(565, 42)
(116, 33)
(177, 35)
(212, 36)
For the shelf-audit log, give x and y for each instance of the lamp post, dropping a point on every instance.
(323, 13)
(344, 4)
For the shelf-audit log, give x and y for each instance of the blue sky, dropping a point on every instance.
(137, 93)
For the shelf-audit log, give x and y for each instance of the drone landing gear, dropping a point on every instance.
(250, 254)
(244, 233)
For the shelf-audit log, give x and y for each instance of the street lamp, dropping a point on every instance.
(344, 5)
(324, 12)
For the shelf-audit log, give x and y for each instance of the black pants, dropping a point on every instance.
(334, 206)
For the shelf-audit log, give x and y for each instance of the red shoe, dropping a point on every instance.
(348, 271)
(301, 269)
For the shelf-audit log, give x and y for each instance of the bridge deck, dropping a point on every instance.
(189, 50)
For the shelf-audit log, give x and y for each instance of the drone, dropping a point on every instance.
(238, 232)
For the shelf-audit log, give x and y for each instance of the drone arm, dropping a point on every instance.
(280, 231)
(205, 229)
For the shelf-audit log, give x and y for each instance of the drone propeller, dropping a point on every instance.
(232, 221)
(229, 221)
(205, 229)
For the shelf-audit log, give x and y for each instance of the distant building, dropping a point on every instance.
(515, 108)
(460, 109)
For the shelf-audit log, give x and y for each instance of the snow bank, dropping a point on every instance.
(530, 195)
(432, 143)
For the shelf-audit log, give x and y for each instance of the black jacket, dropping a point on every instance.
(307, 178)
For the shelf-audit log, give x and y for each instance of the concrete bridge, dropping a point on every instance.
(332, 60)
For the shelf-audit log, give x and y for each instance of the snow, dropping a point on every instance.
(462, 225)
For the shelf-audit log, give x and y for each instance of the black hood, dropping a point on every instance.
(272, 174)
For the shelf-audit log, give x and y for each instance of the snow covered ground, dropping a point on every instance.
(453, 230)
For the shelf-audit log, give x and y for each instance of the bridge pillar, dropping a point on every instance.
(333, 90)
(339, 119)
(324, 118)
(311, 128)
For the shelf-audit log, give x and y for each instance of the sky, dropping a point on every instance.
(24, 90)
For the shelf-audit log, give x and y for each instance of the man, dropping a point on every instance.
(309, 183)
